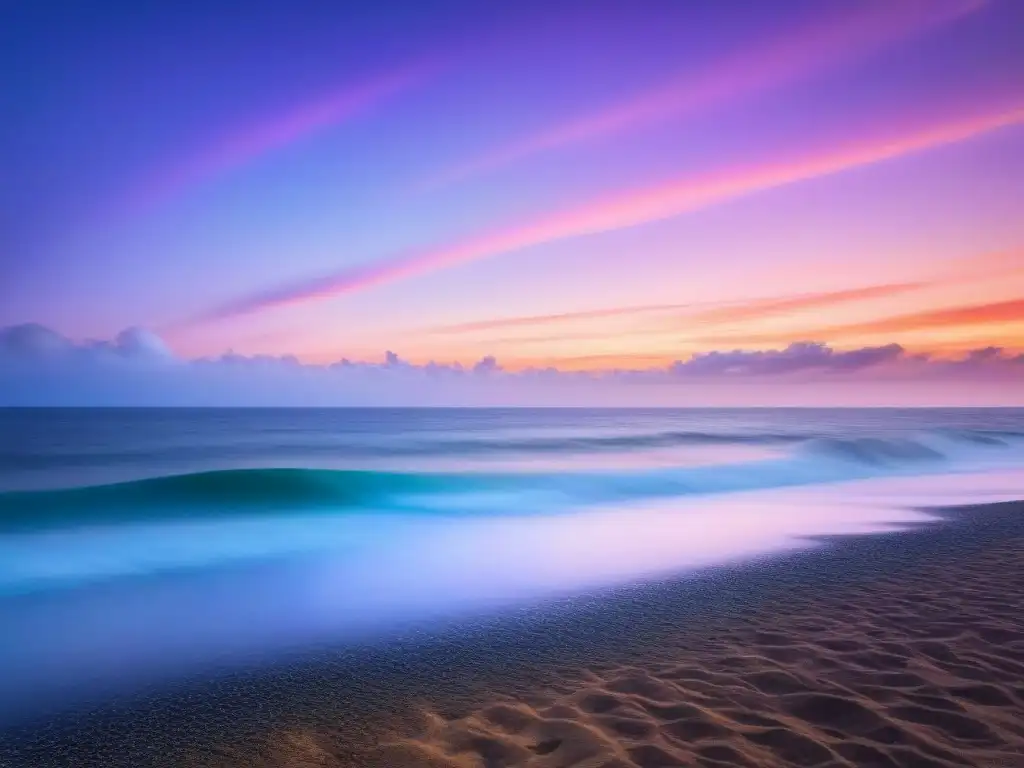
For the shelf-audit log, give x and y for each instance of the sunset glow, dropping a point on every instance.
(656, 186)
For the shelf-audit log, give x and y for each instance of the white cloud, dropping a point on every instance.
(32, 341)
(39, 366)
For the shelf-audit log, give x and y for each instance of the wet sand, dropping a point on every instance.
(893, 650)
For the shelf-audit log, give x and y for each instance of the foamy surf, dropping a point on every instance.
(365, 577)
(112, 584)
(73, 536)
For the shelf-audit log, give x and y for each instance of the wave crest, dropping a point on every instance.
(221, 493)
(217, 492)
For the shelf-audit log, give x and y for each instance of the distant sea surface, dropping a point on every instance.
(140, 545)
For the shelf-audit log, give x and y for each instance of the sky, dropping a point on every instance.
(450, 202)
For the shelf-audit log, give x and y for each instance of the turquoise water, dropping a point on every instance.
(76, 484)
(140, 545)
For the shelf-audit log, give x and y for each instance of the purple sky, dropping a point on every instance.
(578, 186)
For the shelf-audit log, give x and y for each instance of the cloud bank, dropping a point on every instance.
(40, 367)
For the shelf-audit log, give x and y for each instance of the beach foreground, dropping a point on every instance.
(902, 649)
(919, 666)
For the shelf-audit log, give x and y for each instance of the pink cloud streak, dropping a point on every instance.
(630, 209)
(254, 141)
(802, 53)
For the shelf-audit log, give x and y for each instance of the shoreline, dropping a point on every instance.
(443, 694)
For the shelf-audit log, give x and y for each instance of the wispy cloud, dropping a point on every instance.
(560, 338)
(609, 361)
(700, 312)
(806, 51)
(557, 317)
(1011, 311)
(781, 305)
(250, 142)
(991, 314)
(629, 209)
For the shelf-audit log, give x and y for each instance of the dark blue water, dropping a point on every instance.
(68, 447)
(140, 545)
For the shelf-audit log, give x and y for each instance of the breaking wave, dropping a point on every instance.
(810, 459)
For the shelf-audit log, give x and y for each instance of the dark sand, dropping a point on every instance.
(894, 650)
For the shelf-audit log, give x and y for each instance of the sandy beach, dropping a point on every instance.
(894, 650)
(920, 667)
(924, 669)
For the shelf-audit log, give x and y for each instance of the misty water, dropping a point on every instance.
(138, 546)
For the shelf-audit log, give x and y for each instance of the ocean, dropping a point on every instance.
(139, 547)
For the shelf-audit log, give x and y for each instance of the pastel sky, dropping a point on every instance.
(586, 187)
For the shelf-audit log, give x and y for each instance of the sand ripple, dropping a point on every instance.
(920, 670)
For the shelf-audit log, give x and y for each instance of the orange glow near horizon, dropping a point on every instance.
(943, 332)
(751, 188)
